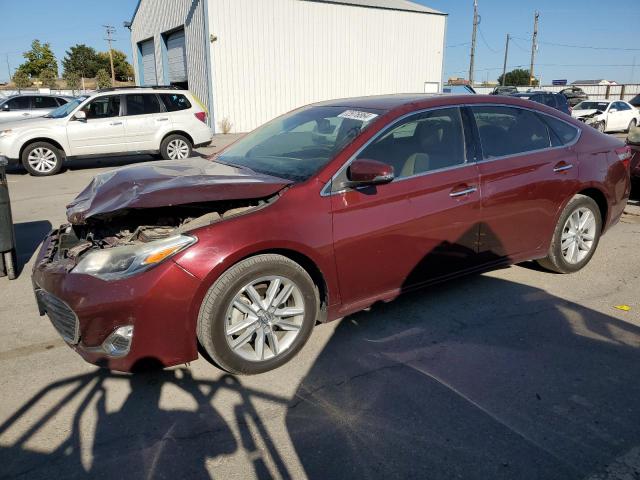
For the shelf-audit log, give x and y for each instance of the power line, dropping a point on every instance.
(586, 47)
(577, 65)
(484, 40)
(459, 45)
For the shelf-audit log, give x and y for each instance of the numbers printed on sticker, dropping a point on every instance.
(358, 115)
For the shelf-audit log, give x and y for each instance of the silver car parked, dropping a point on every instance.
(29, 105)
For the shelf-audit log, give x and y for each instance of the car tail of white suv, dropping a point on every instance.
(162, 121)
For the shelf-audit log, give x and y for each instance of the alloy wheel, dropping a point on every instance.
(177, 149)
(42, 160)
(578, 235)
(264, 318)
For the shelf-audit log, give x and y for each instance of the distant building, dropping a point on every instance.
(251, 60)
(594, 82)
(457, 81)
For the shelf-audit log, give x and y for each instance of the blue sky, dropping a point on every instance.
(596, 23)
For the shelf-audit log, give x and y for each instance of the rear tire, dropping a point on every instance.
(632, 124)
(222, 326)
(176, 147)
(575, 237)
(41, 159)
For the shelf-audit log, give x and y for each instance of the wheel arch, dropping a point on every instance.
(600, 198)
(177, 132)
(31, 141)
(310, 267)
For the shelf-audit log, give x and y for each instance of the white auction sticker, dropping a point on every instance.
(358, 115)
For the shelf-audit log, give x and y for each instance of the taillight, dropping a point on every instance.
(202, 116)
(624, 154)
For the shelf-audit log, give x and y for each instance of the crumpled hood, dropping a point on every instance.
(168, 183)
(583, 113)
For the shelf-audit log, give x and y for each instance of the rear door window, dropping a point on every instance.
(174, 102)
(142, 104)
(62, 101)
(509, 131)
(44, 102)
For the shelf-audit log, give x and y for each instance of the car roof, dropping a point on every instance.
(423, 101)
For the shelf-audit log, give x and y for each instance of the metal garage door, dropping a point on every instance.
(148, 63)
(176, 57)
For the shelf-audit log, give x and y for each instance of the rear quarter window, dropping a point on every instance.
(564, 132)
(174, 102)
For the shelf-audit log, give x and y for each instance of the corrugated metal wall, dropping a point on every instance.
(274, 55)
(155, 17)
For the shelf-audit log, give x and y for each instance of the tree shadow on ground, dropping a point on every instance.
(140, 439)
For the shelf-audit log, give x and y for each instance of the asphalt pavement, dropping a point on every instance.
(517, 373)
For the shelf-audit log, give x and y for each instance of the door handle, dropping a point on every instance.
(161, 119)
(461, 193)
(563, 167)
(26, 114)
(115, 123)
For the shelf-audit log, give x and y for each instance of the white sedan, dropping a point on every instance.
(607, 116)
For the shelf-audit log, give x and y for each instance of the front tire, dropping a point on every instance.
(176, 147)
(575, 237)
(41, 159)
(258, 314)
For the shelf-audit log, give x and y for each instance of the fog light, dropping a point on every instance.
(118, 343)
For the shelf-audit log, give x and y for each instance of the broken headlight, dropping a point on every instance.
(121, 262)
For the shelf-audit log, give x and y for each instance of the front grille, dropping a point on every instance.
(63, 318)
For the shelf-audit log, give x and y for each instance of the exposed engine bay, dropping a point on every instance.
(134, 227)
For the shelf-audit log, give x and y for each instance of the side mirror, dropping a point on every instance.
(613, 110)
(363, 172)
(634, 137)
(80, 115)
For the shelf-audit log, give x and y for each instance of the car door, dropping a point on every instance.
(143, 118)
(526, 172)
(615, 117)
(421, 226)
(16, 108)
(103, 130)
(629, 114)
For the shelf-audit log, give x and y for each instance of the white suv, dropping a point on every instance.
(162, 121)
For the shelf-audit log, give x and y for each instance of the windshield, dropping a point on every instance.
(592, 106)
(66, 109)
(297, 145)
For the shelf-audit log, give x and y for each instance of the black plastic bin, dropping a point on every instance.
(8, 261)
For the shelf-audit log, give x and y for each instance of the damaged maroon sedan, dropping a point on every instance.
(316, 215)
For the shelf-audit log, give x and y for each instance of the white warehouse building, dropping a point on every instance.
(251, 60)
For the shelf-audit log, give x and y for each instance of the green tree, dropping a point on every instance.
(121, 67)
(82, 60)
(38, 59)
(103, 79)
(49, 79)
(517, 78)
(72, 79)
(21, 79)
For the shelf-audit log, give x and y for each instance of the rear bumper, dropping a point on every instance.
(155, 305)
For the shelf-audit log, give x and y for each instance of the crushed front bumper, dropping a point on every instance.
(144, 320)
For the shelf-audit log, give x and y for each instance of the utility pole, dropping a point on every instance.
(476, 21)
(506, 54)
(9, 68)
(110, 31)
(534, 46)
